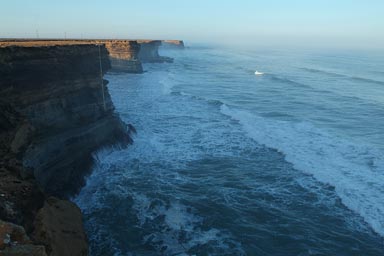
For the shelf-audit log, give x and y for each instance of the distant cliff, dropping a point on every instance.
(123, 54)
(149, 52)
(174, 44)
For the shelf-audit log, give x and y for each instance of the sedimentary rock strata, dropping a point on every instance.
(60, 92)
(55, 111)
(123, 54)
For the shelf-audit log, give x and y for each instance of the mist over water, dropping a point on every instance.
(228, 163)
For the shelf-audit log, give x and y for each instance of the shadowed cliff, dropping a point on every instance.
(149, 52)
(59, 91)
(55, 111)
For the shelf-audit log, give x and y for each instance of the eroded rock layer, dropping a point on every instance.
(123, 54)
(55, 111)
(67, 108)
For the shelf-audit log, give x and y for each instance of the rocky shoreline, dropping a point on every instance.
(55, 111)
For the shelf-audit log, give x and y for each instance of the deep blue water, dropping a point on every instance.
(229, 163)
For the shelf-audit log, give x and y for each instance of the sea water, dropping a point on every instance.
(225, 162)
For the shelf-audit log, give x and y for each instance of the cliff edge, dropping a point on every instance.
(55, 111)
(123, 54)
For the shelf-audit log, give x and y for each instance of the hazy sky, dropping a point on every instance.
(330, 22)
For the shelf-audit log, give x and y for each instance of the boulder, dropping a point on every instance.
(59, 226)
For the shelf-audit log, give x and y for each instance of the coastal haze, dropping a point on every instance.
(278, 23)
(192, 128)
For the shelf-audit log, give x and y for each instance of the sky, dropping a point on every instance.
(349, 23)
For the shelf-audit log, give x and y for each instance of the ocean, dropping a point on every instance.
(226, 162)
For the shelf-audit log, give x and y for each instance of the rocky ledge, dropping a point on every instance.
(55, 111)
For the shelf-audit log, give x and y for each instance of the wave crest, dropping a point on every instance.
(356, 171)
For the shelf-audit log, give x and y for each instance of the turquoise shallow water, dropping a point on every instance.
(229, 163)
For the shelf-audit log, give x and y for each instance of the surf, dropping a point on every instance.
(355, 170)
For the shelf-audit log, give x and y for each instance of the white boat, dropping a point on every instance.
(257, 73)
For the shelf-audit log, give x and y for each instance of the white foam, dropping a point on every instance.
(356, 171)
(167, 82)
(180, 231)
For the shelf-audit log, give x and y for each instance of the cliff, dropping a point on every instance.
(22, 200)
(173, 44)
(123, 54)
(59, 91)
(55, 111)
(149, 52)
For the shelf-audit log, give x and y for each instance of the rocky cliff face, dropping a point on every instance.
(67, 109)
(55, 111)
(174, 44)
(149, 52)
(124, 55)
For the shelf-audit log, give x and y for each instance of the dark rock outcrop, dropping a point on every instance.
(15, 242)
(149, 52)
(20, 196)
(11, 234)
